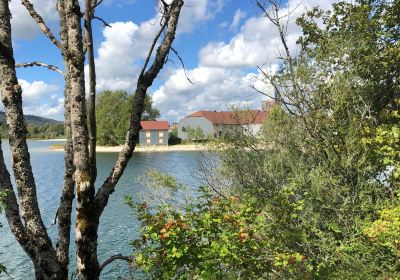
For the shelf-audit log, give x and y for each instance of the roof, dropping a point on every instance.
(232, 118)
(154, 125)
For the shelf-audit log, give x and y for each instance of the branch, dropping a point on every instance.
(152, 47)
(40, 64)
(11, 95)
(183, 64)
(41, 24)
(102, 20)
(113, 258)
(55, 218)
(92, 91)
(145, 80)
(95, 4)
(11, 207)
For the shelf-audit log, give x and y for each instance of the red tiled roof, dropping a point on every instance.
(154, 125)
(232, 118)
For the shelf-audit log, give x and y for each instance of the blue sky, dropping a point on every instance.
(221, 42)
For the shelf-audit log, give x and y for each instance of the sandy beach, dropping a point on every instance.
(159, 148)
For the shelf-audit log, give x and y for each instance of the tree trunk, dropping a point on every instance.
(87, 219)
(27, 225)
(92, 90)
(67, 196)
(41, 250)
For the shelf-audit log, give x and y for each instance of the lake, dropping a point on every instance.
(118, 225)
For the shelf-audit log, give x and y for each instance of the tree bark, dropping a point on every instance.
(87, 219)
(80, 172)
(92, 90)
(67, 196)
(65, 210)
(42, 252)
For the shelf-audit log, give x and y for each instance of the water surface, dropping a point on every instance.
(118, 225)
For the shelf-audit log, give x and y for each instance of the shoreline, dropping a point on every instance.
(50, 140)
(160, 148)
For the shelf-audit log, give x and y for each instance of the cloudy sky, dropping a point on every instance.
(221, 42)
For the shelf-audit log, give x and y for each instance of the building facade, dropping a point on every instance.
(154, 133)
(215, 124)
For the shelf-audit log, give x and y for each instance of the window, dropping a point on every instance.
(160, 141)
(160, 134)
(148, 133)
(148, 141)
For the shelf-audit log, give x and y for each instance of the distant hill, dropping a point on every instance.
(30, 119)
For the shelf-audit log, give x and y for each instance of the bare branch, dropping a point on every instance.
(55, 218)
(183, 65)
(113, 258)
(92, 91)
(12, 208)
(41, 24)
(67, 194)
(102, 20)
(152, 47)
(42, 253)
(40, 64)
(95, 4)
(145, 80)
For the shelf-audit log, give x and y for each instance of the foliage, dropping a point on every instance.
(113, 110)
(39, 131)
(194, 133)
(313, 182)
(384, 141)
(47, 131)
(214, 238)
(385, 231)
(173, 137)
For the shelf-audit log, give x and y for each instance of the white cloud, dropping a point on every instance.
(222, 77)
(125, 45)
(239, 15)
(46, 110)
(120, 56)
(36, 90)
(42, 99)
(196, 12)
(23, 26)
(119, 3)
(213, 89)
(257, 41)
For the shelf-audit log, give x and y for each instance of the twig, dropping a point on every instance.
(183, 65)
(40, 64)
(152, 48)
(96, 4)
(145, 80)
(55, 218)
(102, 20)
(113, 258)
(41, 24)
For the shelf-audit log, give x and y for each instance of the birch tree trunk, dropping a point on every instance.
(39, 246)
(80, 169)
(87, 220)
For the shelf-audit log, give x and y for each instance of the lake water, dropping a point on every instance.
(118, 225)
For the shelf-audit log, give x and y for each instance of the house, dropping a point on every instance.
(154, 133)
(213, 124)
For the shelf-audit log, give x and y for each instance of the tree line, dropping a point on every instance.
(112, 114)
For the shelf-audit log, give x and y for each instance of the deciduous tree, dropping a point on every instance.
(23, 215)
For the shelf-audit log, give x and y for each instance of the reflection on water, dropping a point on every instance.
(117, 226)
